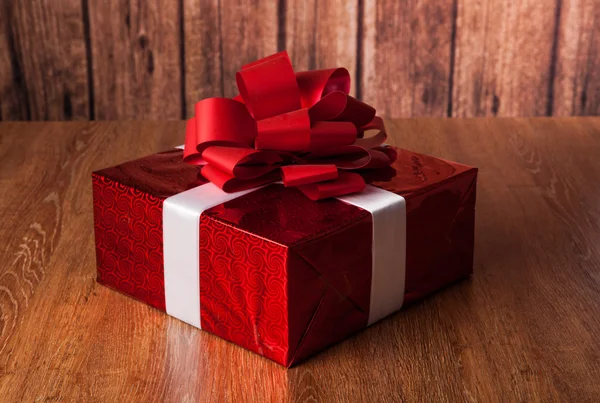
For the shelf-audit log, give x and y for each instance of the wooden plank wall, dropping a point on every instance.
(153, 59)
(43, 64)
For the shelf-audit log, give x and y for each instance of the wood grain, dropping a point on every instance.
(406, 52)
(577, 80)
(14, 104)
(43, 72)
(136, 57)
(220, 37)
(322, 35)
(504, 55)
(248, 33)
(123, 59)
(203, 45)
(526, 327)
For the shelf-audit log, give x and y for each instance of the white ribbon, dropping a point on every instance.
(181, 238)
(181, 247)
(388, 248)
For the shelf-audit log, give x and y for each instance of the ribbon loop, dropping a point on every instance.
(243, 163)
(329, 107)
(328, 135)
(346, 183)
(316, 84)
(286, 132)
(356, 112)
(303, 127)
(268, 87)
(295, 175)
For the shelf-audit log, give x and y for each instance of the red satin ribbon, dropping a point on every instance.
(299, 127)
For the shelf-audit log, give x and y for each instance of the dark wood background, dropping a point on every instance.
(153, 59)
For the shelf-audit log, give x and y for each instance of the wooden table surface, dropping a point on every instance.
(526, 327)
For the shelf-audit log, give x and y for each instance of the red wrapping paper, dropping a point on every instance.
(275, 273)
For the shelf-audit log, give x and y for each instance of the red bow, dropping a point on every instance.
(302, 127)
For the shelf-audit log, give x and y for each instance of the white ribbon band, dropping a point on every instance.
(181, 239)
(388, 251)
(181, 248)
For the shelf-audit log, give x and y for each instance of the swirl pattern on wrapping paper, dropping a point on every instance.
(243, 289)
(129, 243)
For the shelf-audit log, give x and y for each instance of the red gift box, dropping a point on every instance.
(277, 273)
